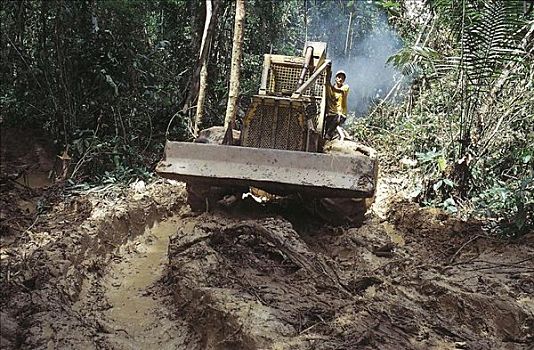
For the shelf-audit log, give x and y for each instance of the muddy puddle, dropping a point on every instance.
(86, 272)
(35, 180)
(133, 312)
(129, 281)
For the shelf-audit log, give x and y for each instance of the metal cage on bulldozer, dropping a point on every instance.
(277, 118)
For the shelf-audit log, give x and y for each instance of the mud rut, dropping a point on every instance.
(134, 315)
(148, 274)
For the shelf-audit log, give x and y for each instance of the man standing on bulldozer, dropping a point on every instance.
(337, 96)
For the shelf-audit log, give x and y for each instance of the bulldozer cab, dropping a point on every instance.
(288, 111)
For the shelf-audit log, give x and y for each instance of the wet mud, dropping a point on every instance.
(127, 300)
(57, 277)
(115, 267)
(417, 280)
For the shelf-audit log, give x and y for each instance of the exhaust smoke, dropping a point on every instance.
(369, 76)
(363, 53)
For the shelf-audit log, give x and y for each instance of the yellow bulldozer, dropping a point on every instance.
(282, 147)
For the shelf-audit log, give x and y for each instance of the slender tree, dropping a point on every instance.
(195, 78)
(237, 56)
(348, 32)
(211, 9)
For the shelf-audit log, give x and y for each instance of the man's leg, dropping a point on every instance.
(340, 133)
(330, 126)
(340, 120)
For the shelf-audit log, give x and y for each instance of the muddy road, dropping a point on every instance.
(133, 268)
(416, 280)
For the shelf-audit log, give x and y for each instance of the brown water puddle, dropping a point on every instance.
(139, 316)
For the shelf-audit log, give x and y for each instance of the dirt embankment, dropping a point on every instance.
(417, 280)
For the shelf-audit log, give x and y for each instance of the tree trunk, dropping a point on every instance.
(204, 71)
(19, 38)
(207, 36)
(44, 15)
(348, 33)
(199, 116)
(237, 55)
(306, 20)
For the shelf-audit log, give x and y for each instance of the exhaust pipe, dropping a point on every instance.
(308, 65)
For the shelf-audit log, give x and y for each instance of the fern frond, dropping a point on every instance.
(488, 39)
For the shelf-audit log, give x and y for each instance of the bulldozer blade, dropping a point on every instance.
(276, 171)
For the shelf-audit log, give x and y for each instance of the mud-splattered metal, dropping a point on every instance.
(276, 171)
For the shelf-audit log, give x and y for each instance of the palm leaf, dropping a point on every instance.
(488, 39)
(489, 42)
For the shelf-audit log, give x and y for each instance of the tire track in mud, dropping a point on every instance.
(136, 315)
(56, 297)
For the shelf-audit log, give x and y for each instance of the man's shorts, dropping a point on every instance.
(336, 119)
(332, 121)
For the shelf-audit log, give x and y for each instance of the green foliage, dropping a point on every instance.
(489, 39)
(437, 187)
(105, 78)
(512, 202)
(466, 125)
(107, 67)
(405, 59)
(106, 158)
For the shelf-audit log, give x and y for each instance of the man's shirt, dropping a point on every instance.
(337, 99)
